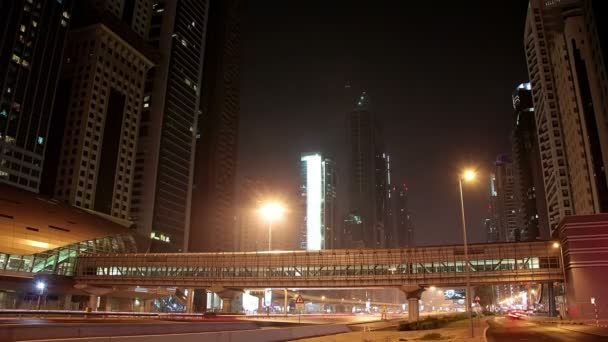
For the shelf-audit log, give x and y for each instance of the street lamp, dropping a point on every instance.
(271, 212)
(565, 284)
(468, 175)
(40, 286)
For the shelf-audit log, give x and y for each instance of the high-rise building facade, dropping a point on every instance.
(565, 64)
(508, 222)
(537, 41)
(32, 40)
(584, 125)
(318, 191)
(213, 197)
(103, 78)
(529, 189)
(100, 136)
(400, 221)
(491, 222)
(167, 146)
(368, 186)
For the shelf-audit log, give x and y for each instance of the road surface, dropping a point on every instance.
(507, 330)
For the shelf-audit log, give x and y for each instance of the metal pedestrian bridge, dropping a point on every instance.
(491, 263)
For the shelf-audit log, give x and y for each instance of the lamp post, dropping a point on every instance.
(271, 211)
(467, 176)
(565, 284)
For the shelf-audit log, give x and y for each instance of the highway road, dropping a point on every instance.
(507, 330)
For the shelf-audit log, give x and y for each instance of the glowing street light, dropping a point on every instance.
(40, 285)
(432, 288)
(271, 212)
(468, 175)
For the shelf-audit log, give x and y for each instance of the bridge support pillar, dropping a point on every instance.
(226, 304)
(190, 301)
(413, 300)
(148, 305)
(551, 299)
(67, 302)
(413, 311)
(93, 302)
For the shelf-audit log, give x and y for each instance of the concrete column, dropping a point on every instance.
(226, 304)
(93, 301)
(107, 306)
(67, 302)
(190, 301)
(551, 299)
(260, 305)
(413, 309)
(148, 304)
(413, 298)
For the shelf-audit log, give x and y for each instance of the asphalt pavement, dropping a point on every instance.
(514, 330)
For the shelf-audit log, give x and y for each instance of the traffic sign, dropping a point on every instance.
(299, 303)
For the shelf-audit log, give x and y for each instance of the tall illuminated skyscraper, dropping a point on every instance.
(369, 172)
(529, 189)
(32, 39)
(164, 162)
(318, 191)
(566, 63)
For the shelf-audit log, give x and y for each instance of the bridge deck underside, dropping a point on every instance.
(489, 263)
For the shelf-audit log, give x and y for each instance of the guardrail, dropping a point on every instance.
(105, 314)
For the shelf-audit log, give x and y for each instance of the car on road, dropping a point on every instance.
(515, 314)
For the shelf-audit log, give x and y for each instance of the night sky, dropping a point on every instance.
(439, 74)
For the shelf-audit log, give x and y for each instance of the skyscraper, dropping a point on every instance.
(529, 189)
(167, 145)
(563, 50)
(368, 186)
(318, 191)
(400, 220)
(546, 113)
(32, 39)
(104, 72)
(213, 197)
(508, 222)
(491, 222)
